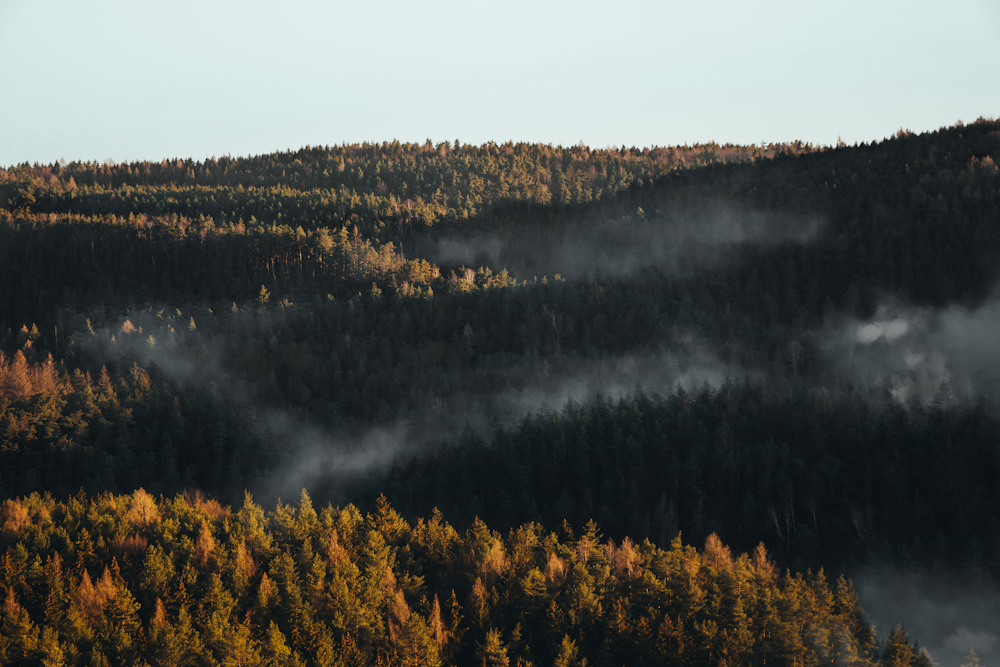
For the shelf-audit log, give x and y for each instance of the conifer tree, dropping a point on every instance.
(492, 652)
(897, 651)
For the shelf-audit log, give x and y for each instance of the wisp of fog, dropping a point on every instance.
(675, 239)
(923, 356)
(949, 613)
(334, 457)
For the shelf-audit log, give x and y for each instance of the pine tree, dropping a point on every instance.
(275, 650)
(416, 646)
(568, 655)
(18, 634)
(205, 545)
(971, 659)
(492, 652)
(897, 651)
(51, 650)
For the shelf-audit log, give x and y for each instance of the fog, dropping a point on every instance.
(316, 455)
(922, 356)
(675, 239)
(925, 357)
(947, 613)
(917, 357)
(309, 455)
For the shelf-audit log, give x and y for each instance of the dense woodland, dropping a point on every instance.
(132, 580)
(224, 325)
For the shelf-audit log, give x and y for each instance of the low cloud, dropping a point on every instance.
(308, 454)
(325, 462)
(948, 613)
(922, 356)
(330, 459)
(674, 239)
(686, 364)
(964, 640)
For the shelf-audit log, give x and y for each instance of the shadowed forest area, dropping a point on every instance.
(518, 380)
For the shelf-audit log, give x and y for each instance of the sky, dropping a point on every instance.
(126, 81)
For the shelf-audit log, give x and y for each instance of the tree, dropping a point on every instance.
(22, 196)
(14, 376)
(48, 646)
(18, 634)
(205, 545)
(568, 655)
(143, 511)
(416, 646)
(275, 650)
(897, 651)
(971, 659)
(492, 652)
(794, 352)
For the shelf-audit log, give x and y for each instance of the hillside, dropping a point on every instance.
(785, 343)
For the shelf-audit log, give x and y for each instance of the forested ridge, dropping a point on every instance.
(736, 343)
(132, 580)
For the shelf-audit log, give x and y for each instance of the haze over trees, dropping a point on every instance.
(737, 344)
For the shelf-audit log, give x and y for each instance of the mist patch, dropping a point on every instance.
(950, 613)
(675, 239)
(921, 357)
(965, 640)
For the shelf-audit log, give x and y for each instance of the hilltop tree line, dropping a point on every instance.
(912, 216)
(367, 183)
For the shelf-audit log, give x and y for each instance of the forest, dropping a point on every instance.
(554, 405)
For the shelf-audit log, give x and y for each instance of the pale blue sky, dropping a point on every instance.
(136, 80)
